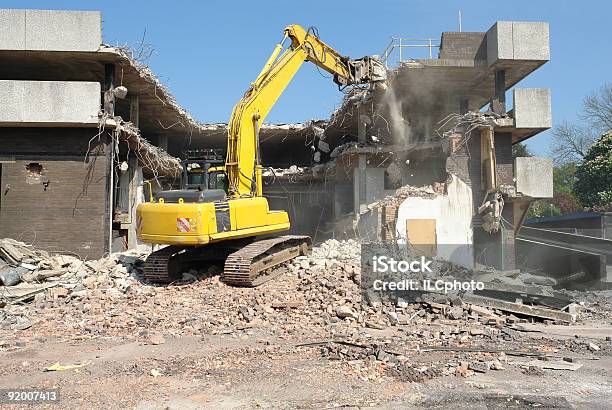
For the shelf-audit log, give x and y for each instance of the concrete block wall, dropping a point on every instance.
(49, 102)
(50, 30)
(534, 176)
(514, 40)
(532, 108)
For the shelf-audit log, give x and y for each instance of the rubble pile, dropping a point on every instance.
(406, 191)
(318, 299)
(109, 296)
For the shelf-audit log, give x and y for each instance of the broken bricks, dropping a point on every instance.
(318, 297)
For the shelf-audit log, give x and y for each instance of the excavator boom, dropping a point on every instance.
(243, 159)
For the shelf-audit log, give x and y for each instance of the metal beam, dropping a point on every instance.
(533, 311)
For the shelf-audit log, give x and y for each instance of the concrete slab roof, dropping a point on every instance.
(160, 114)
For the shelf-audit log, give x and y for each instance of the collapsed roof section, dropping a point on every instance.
(420, 92)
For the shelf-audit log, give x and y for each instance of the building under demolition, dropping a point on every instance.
(87, 131)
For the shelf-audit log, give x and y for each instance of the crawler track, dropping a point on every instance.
(262, 260)
(250, 265)
(158, 267)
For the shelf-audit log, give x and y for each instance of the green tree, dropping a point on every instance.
(593, 185)
(520, 150)
(541, 208)
(564, 200)
(564, 177)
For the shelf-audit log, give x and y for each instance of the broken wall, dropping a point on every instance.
(49, 194)
(452, 213)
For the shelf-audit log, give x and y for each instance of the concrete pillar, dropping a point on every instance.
(109, 109)
(498, 103)
(135, 110)
(488, 160)
(136, 198)
(360, 180)
(109, 85)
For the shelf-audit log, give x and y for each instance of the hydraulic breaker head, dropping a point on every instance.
(366, 70)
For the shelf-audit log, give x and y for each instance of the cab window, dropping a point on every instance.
(195, 178)
(217, 180)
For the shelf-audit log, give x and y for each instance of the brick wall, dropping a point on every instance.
(505, 163)
(66, 207)
(463, 46)
(464, 162)
(505, 176)
(388, 219)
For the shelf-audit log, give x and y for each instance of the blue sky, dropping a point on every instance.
(207, 52)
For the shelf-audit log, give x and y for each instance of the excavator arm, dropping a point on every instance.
(243, 162)
(189, 219)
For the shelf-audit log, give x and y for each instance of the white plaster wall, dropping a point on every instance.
(453, 215)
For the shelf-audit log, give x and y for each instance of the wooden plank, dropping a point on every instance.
(9, 253)
(421, 234)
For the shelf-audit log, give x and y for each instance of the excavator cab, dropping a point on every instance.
(201, 175)
(203, 179)
(203, 169)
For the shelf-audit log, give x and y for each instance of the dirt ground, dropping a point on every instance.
(261, 371)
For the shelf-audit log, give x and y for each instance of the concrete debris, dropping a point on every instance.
(344, 312)
(594, 347)
(346, 147)
(323, 146)
(280, 172)
(428, 191)
(152, 158)
(530, 278)
(468, 122)
(318, 299)
(11, 276)
(553, 365)
(9, 253)
(127, 58)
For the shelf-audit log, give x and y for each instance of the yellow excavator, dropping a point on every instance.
(221, 214)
